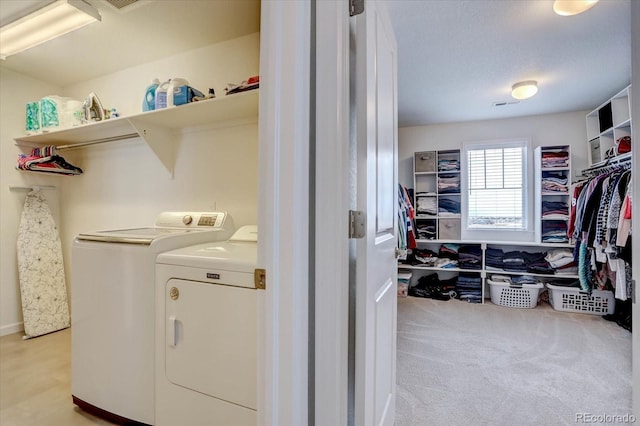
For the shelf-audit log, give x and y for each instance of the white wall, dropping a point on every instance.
(543, 130)
(15, 91)
(124, 184)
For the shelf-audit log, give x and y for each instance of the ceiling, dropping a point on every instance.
(455, 57)
(143, 32)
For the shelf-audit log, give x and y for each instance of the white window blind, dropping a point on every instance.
(496, 187)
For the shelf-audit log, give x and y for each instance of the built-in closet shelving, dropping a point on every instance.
(160, 129)
(552, 197)
(553, 180)
(607, 124)
(485, 270)
(437, 194)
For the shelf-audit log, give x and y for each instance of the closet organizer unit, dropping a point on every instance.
(160, 129)
(552, 198)
(607, 124)
(437, 194)
(471, 265)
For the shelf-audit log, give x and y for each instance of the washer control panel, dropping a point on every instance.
(191, 219)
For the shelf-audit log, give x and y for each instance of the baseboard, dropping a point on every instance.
(11, 328)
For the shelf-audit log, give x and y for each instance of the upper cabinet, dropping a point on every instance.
(160, 129)
(607, 124)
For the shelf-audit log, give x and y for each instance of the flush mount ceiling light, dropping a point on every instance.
(47, 23)
(572, 7)
(524, 89)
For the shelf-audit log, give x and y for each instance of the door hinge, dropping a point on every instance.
(356, 224)
(260, 279)
(356, 7)
(633, 291)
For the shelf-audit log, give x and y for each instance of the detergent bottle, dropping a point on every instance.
(177, 93)
(161, 95)
(149, 103)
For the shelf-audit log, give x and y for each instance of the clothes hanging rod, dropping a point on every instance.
(623, 160)
(30, 188)
(98, 141)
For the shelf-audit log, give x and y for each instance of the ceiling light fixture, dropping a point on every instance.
(572, 7)
(47, 23)
(524, 89)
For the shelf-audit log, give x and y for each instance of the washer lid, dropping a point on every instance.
(167, 224)
(143, 236)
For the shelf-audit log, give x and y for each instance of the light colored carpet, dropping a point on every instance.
(467, 364)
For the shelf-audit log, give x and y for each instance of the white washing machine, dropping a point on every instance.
(113, 311)
(206, 334)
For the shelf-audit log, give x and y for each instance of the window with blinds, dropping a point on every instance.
(496, 189)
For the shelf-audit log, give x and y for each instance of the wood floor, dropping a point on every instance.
(35, 382)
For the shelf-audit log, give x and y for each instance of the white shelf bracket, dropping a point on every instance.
(162, 141)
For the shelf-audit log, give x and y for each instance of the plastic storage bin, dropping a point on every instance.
(512, 296)
(571, 299)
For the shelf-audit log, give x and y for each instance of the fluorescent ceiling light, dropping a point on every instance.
(572, 7)
(524, 89)
(47, 23)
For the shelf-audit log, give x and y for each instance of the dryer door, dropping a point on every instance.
(211, 340)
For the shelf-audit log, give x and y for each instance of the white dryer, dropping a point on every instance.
(113, 311)
(206, 334)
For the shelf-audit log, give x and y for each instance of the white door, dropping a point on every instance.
(376, 134)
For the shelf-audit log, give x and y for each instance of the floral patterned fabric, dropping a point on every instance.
(41, 270)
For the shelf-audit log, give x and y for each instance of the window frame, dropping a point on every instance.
(520, 234)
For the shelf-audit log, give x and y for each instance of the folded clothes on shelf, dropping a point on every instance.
(448, 165)
(469, 287)
(554, 182)
(555, 210)
(426, 205)
(448, 183)
(426, 231)
(470, 257)
(554, 231)
(555, 159)
(448, 205)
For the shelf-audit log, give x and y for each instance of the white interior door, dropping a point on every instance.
(376, 134)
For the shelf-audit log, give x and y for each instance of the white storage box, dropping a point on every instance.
(572, 299)
(515, 296)
(404, 277)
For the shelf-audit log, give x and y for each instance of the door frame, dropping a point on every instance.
(283, 206)
(332, 203)
(284, 381)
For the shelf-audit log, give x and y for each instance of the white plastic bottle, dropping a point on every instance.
(178, 88)
(161, 95)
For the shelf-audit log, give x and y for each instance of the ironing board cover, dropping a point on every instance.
(41, 269)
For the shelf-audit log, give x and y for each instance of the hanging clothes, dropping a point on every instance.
(406, 216)
(600, 223)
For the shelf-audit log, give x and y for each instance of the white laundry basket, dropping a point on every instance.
(572, 299)
(515, 296)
